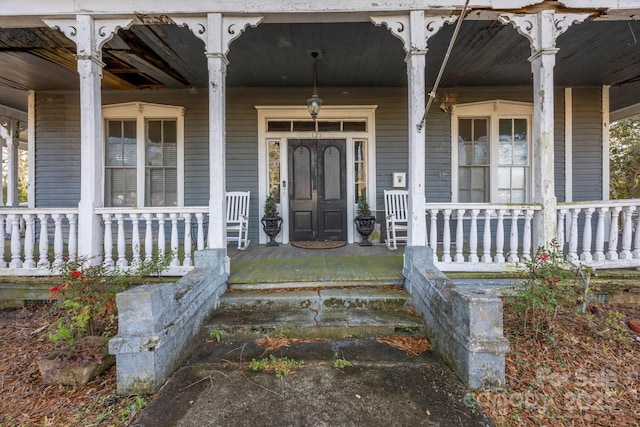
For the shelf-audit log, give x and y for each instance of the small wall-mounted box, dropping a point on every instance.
(399, 179)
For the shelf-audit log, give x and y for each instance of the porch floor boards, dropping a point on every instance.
(261, 264)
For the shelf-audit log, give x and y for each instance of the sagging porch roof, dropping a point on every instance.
(157, 55)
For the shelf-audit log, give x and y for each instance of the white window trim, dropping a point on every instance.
(341, 112)
(493, 110)
(142, 111)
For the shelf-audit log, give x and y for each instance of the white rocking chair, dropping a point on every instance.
(396, 207)
(238, 218)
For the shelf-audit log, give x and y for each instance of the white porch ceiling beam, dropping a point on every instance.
(12, 113)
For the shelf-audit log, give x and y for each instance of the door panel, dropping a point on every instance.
(332, 198)
(317, 191)
(302, 192)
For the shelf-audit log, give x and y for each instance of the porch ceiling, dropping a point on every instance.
(486, 53)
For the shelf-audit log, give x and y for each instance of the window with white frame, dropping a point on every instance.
(144, 155)
(492, 152)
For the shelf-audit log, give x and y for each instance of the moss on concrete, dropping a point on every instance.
(316, 268)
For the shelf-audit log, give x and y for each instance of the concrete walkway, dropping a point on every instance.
(383, 387)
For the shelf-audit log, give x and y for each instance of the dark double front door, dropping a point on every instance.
(317, 190)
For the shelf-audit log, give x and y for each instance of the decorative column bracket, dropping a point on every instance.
(102, 30)
(540, 38)
(214, 42)
(8, 128)
(414, 37)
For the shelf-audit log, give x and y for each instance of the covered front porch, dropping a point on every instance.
(464, 237)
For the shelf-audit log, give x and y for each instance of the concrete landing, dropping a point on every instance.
(383, 387)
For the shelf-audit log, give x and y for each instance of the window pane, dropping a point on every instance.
(505, 130)
(154, 131)
(354, 126)
(171, 187)
(278, 126)
(131, 192)
(520, 129)
(480, 129)
(114, 153)
(360, 168)
(465, 155)
(329, 126)
(332, 173)
(464, 129)
(473, 184)
(304, 126)
(123, 187)
(154, 154)
(155, 184)
(480, 153)
(520, 153)
(504, 196)
(130, 155)
(504, 177)
(274, 170)
(170, 180)
(517, 196)
(517, 178)
(170, 131)
(170, 154)
(505, 153)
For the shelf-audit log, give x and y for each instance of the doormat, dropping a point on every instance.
(318, 245)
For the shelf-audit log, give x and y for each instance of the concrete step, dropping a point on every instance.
(310, 323)
(295, 284)
(369, 297)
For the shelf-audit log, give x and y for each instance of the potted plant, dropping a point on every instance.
(271, 221)
(365, 222)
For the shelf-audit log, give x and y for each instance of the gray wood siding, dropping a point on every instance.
(559, 157)
(57, 150)
(58, 139)
(587, 144)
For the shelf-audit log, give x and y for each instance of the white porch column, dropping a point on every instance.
(415, 30)
(542, 30)
(416, 63)
(90, 35)
(9, 132)
(217, 32)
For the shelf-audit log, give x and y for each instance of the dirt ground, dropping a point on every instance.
(587, 374)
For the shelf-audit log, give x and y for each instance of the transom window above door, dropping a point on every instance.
(491, 152)
(144, 155)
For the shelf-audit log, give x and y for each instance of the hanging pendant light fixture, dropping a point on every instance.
(314, 103)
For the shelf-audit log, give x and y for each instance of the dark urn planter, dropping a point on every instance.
(365, 226)
(271, 227)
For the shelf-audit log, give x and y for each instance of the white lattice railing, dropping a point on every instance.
(479, 237)
(601, 234)
(139, 233)
(39, 239)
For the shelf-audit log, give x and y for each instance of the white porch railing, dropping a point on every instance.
(38, 239)
(464, 237)
(484, 237)
(601, 234)
(182, 228)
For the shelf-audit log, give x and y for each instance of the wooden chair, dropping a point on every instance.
(238, 218)
(395, 208)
